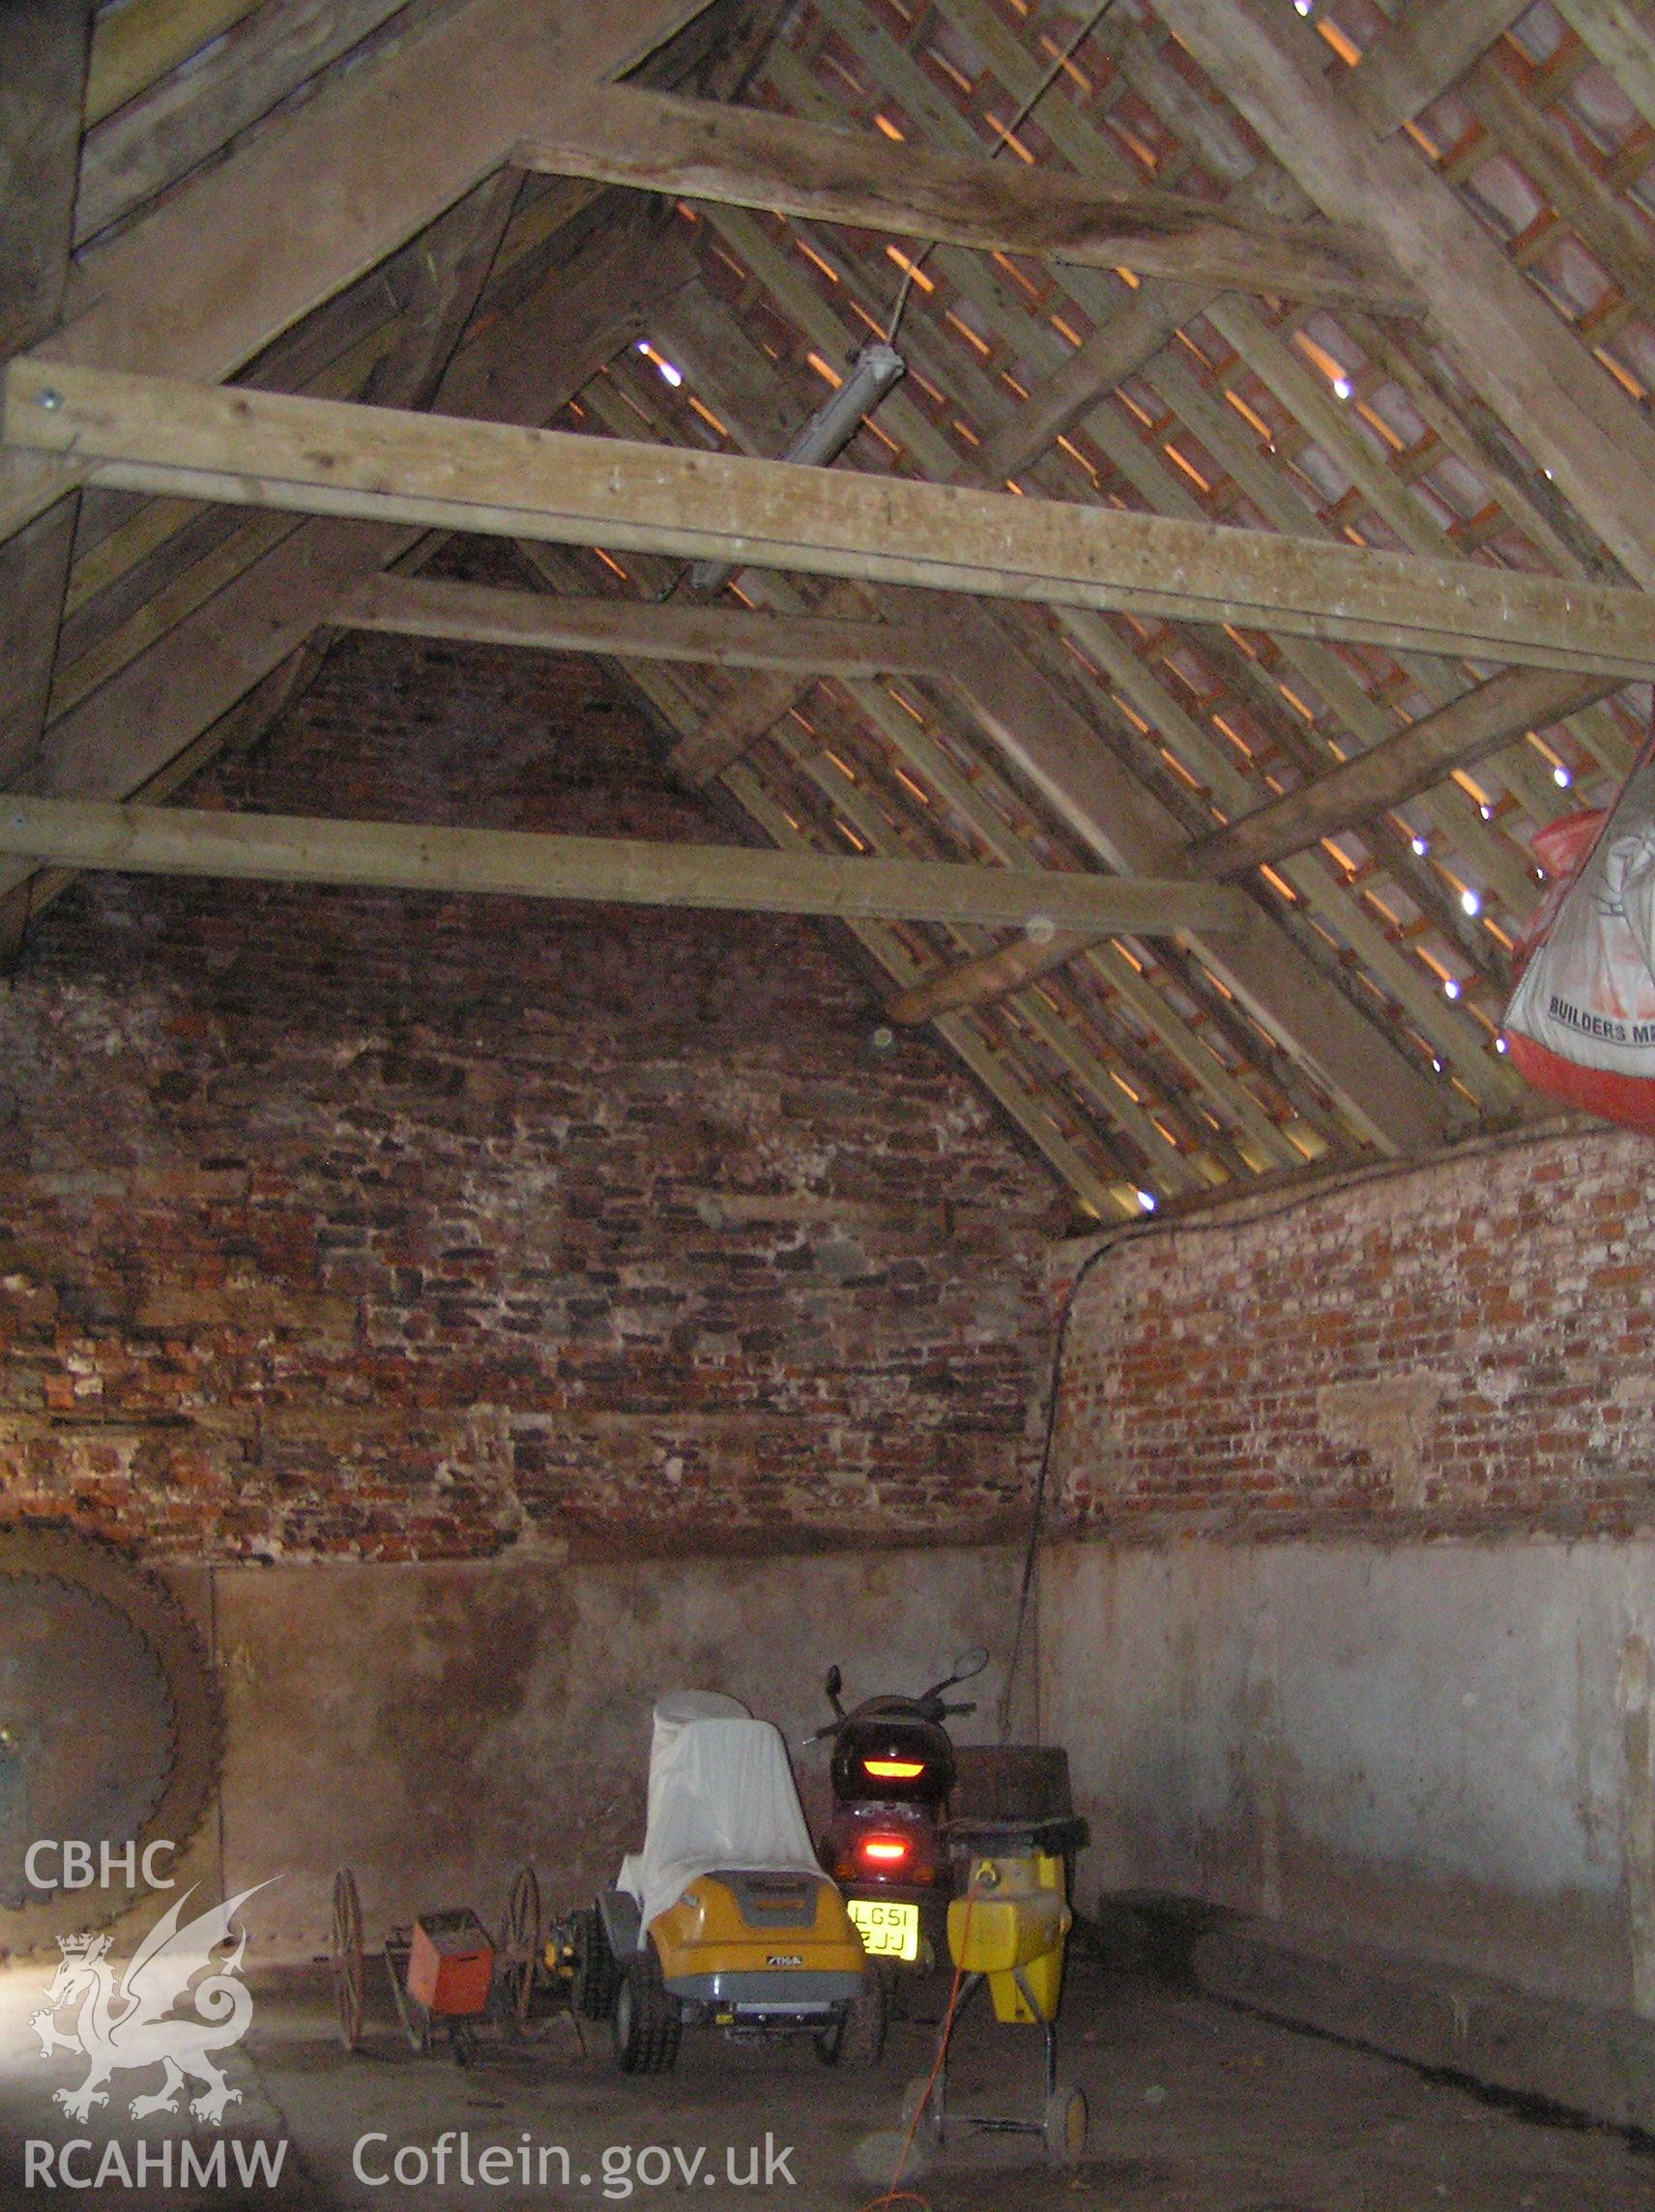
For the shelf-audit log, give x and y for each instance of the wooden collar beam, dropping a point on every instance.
(716, 636)
(156, 434)
(397, 856)
(745, 156)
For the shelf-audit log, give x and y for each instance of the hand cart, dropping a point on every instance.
(448, 1975)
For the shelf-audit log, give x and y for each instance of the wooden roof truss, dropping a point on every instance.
(1457, 198)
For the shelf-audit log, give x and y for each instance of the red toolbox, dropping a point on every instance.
(450, 1966)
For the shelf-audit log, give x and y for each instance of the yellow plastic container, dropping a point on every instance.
(1013, 1916)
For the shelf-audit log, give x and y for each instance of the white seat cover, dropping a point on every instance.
(722, 1794)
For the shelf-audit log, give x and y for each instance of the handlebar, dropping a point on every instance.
(917, 1709)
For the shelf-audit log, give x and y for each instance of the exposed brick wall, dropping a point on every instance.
(400, 1226)
(1468, 1346)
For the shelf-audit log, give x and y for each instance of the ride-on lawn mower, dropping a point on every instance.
(724, 1918)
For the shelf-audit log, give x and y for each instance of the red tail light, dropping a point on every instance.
(886, 1852)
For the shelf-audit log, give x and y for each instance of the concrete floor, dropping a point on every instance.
(1194, 2109)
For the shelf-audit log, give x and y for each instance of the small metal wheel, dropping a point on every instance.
(1064, 2129)
(346, 1958)
(520, 1942)
(918, 2097)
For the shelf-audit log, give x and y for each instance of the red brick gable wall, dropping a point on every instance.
(385, 1226)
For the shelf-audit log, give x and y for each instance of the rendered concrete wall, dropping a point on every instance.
(436, 1726)
(1441, 1748)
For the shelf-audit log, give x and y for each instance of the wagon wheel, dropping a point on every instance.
(347, 1958)
(520, 1942)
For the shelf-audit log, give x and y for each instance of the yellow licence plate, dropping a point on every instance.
(888, 1931)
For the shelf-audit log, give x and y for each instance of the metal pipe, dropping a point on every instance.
(827, 434)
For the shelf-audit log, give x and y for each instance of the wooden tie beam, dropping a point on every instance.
(396, 856)
(719, 636)
(157, 434)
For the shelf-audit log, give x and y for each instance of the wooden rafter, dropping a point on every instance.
(1505, 338)
(45, 50)
(1465, 731)
(119, 736)
(1427, 45)
(355, 176)
(182, 114)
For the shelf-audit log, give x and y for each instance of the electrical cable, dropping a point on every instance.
(917, 261)
(895, 2193)
(1234, 1212)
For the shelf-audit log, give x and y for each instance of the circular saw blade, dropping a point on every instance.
(109, 1723)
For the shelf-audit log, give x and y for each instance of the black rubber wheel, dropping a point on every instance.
(647, 2024)
(597, 1972)
(857, 2037)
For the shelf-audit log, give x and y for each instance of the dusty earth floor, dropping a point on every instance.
(1194, 2108)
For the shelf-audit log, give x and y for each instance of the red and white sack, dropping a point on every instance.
(1580, 1025)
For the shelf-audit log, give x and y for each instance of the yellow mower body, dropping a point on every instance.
(770, 1943)
(1013, 1919)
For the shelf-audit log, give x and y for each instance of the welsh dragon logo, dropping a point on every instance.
(126, 2024)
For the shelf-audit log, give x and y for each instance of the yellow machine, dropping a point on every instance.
(724, 1919)
(1009, 1929)
(789, 1929)
(1012, 1925)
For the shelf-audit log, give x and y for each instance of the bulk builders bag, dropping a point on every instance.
(1580, 1025)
